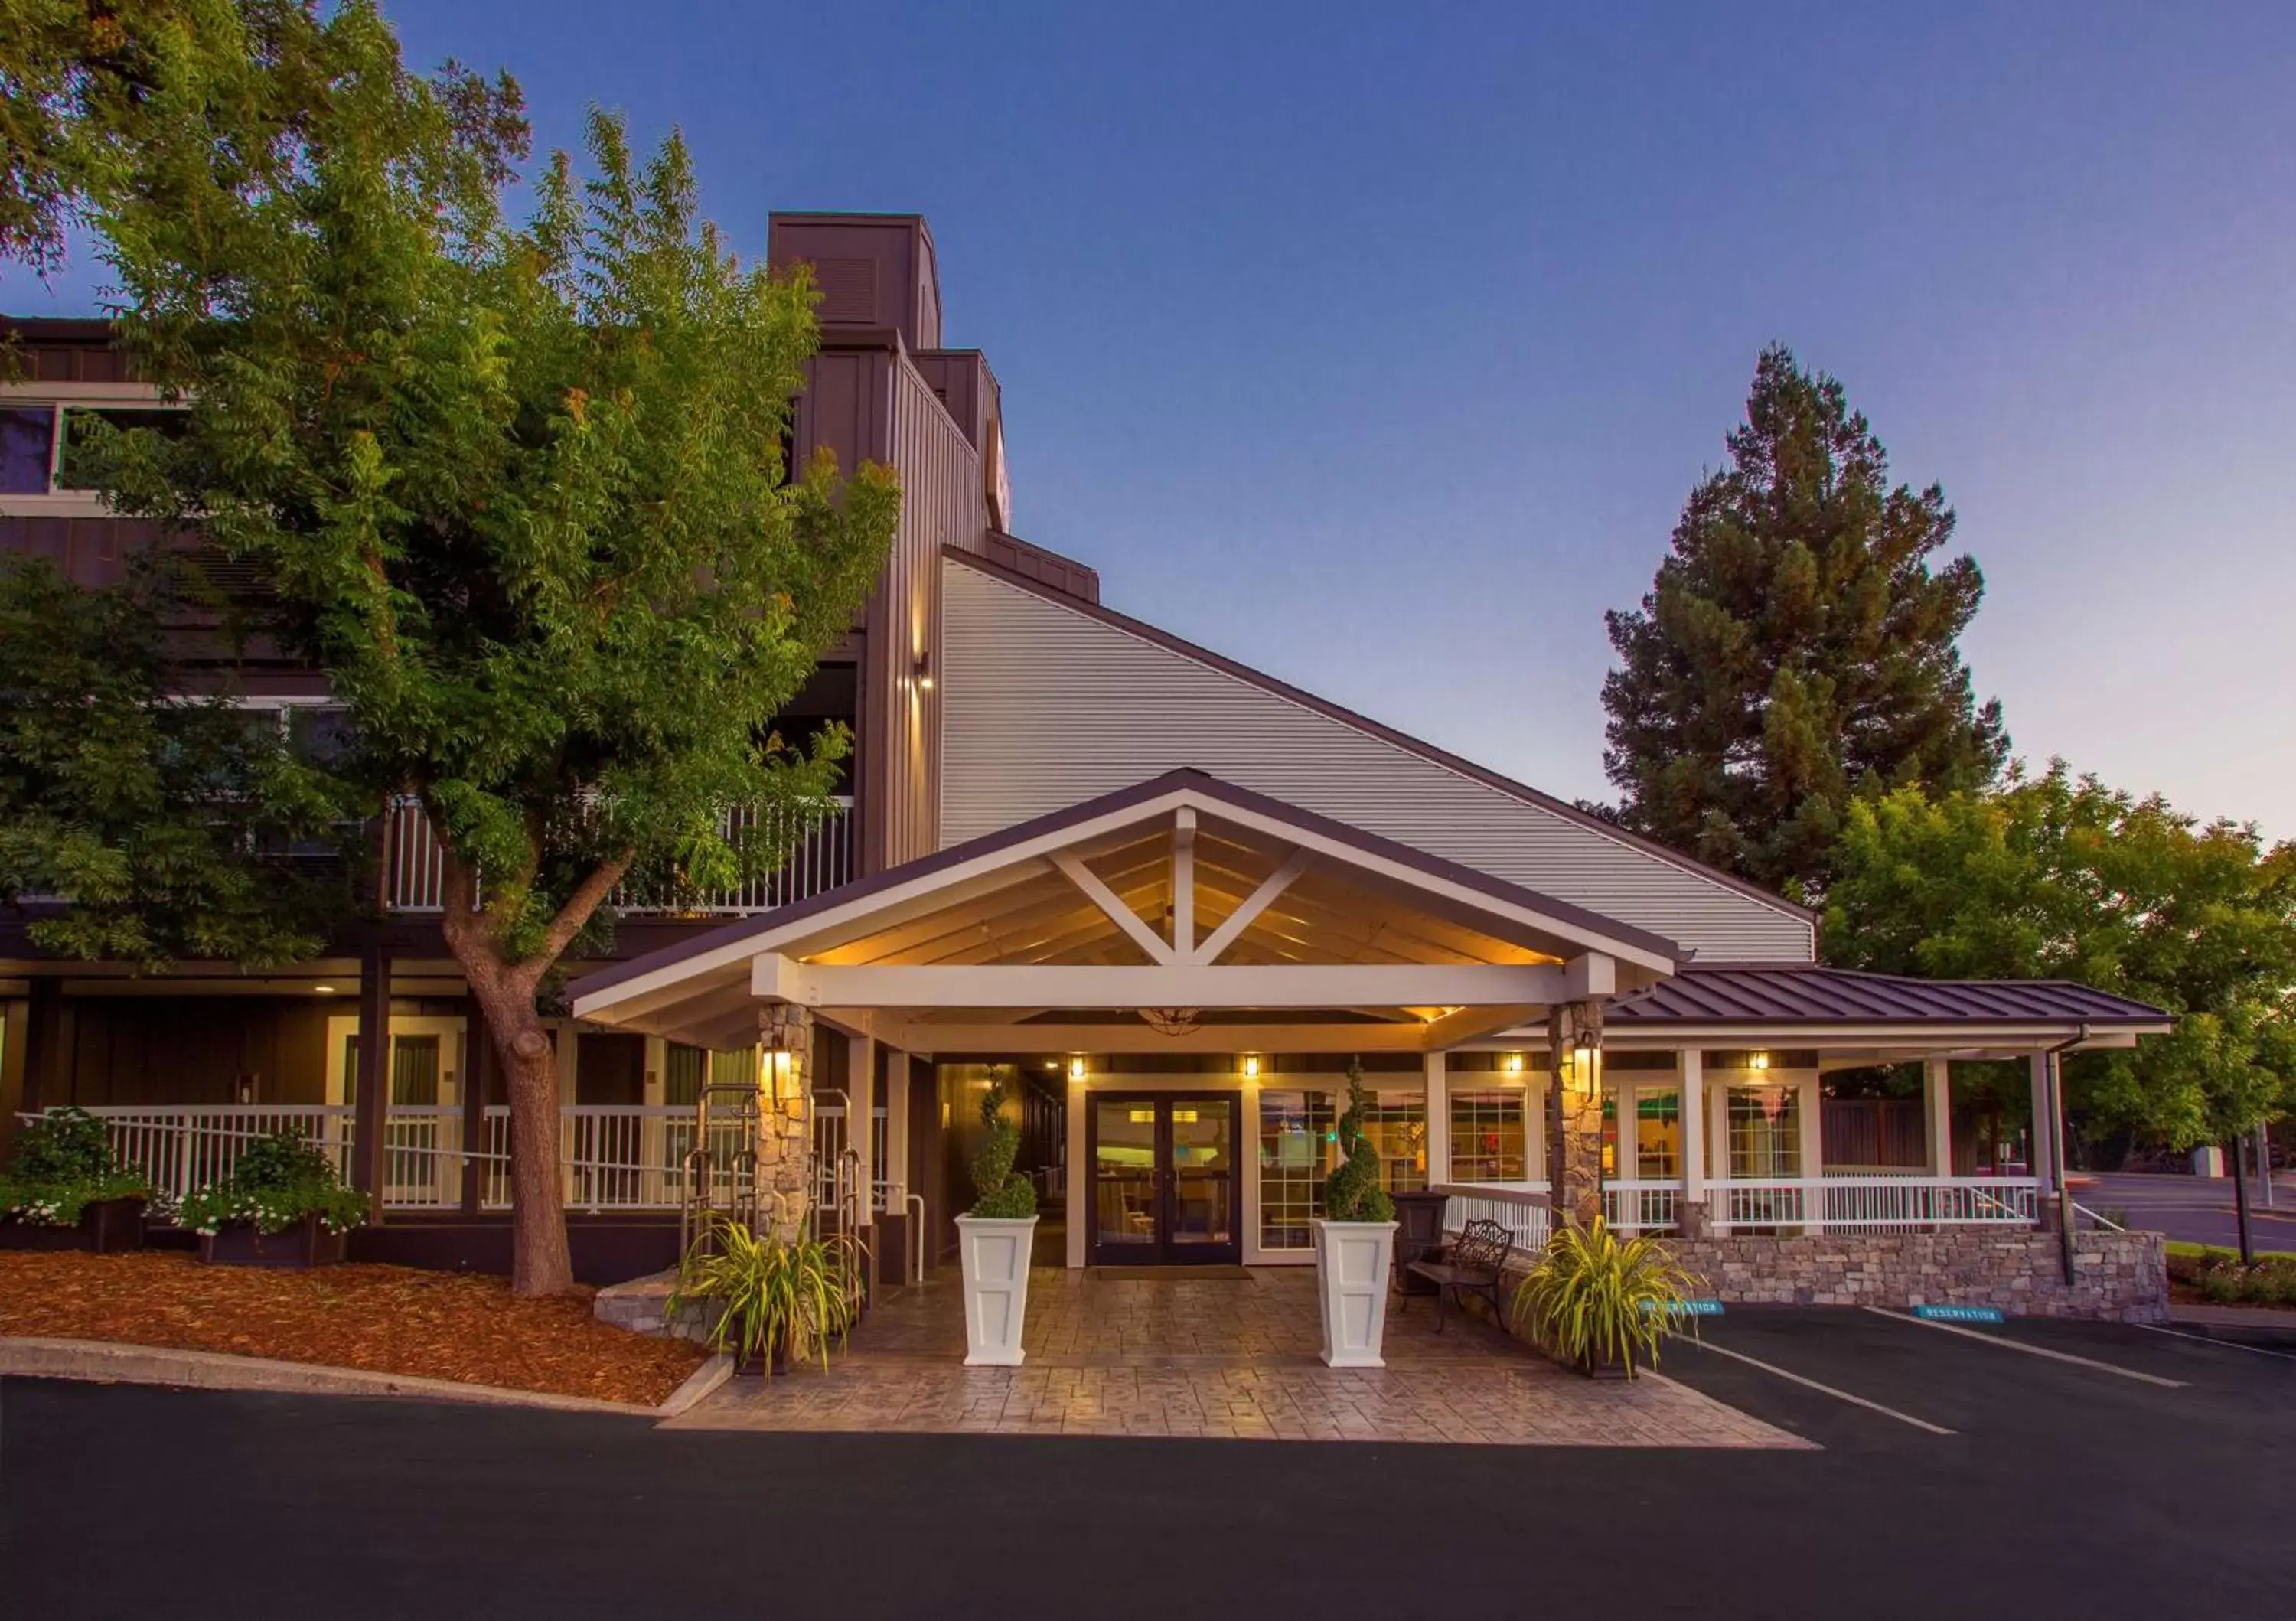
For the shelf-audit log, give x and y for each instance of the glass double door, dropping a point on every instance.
(1164, 1185)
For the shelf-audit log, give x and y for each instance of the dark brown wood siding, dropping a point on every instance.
(941, 505)
(191, 1049)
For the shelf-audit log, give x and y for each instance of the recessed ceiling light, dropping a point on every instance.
(324, 990)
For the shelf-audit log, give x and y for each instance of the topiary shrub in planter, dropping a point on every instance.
(1355, 1244)
(994, 1241)
(65, 1189)
(283, 1205)
(774, 1301)
(1601, 1306)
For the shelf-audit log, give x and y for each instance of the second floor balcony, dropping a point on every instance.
(822, 859)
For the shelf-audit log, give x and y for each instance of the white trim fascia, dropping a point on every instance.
(1174, 985)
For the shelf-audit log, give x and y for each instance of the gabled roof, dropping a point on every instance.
(844, 928)
(1819, 996)
(1095, 610)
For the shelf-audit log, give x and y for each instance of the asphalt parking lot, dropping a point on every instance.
(1977, 1477)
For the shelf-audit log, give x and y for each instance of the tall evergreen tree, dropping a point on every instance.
(1797, 647)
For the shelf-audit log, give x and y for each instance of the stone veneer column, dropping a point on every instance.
(1574, 1163)
(784, 1153)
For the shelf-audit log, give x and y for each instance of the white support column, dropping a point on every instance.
(569, 1058)
(1439, 1120)
(2036, 1153)
(1690, 1104)
(1533, 1124)
(1246, 1162)
(861, 1092)
(1812, 1090)
(1079, 1174)
(1717, 1156)
(1937, 1113)
(1813, 1125)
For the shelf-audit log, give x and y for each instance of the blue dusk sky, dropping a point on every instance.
(1378, 346)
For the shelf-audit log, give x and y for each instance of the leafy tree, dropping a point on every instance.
(1795, 648)
(517, 489)
(2059, 877)
(168, 821)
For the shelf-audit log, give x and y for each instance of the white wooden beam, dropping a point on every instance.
(1175, 984)
(1591, 974)
(1271, 887)
(1183, 884)
(1100, 896)
(1472, 1023)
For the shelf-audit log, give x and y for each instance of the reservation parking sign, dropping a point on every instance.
(1958, 1314)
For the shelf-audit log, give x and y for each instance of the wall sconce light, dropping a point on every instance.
(1583, 1079)
(779, 1075)
(1076, 1067)
(1757, 1061)
(1513, 1064)
(1251, 1065)
(922, 671)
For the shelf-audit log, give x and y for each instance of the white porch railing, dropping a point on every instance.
(1519, 1207)
(1815, 1204)
(1873, 1204)
(1642, 1207)
(611, 1157)
(414, 877)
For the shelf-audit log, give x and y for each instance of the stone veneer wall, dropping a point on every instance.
(2122, 1276)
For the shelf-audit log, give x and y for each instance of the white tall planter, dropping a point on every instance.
(1352, 1261)
(996, 1257)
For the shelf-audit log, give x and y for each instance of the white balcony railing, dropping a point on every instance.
(822, 859)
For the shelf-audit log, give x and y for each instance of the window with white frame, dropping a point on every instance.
(1488, 1138)
(41, 441)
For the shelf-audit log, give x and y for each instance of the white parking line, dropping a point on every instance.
(1839, 1395)
(2210, 1340)
(2019, 1345)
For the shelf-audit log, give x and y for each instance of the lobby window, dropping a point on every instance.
(1657, 1136)
(1397, 1128)
(1295, 1149)
(1765, 1132)
(1487, 1137)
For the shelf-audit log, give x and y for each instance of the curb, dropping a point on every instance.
(107, 1362)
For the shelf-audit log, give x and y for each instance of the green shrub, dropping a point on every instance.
(278, 1181)
(772, 1299)
(1353, 1191)
(1592, 1300)
(1000, 1192)
(2223, 1281)
(64, 1164)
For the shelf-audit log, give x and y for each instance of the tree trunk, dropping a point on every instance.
(540, 1261)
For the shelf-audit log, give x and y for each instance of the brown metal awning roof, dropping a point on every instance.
(1768, 997)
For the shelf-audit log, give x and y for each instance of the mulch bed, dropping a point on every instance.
(385, 1319)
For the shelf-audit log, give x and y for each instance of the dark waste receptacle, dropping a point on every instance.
(1418, 1235)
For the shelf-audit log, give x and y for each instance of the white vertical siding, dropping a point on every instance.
(1046, 706)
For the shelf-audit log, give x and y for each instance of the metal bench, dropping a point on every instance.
(1472, 1263)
